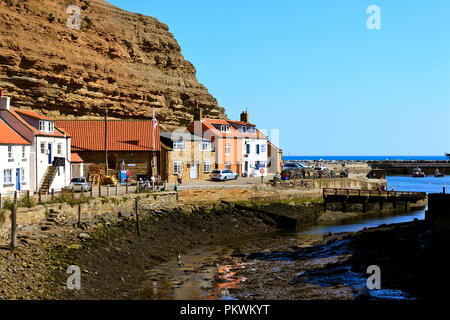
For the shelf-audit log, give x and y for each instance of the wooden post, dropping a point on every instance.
(107, 190)
(73, 192)
(79, 215)
(1, 202)
(14, 224)
(137, 216)
(82, 192)
(99, 190)
(40, 195)
(117, 189)
(92, 192)
(126, 188)
(15, 196)
(28, 195)
(53, 193)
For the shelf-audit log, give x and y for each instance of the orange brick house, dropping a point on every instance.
(230, 139)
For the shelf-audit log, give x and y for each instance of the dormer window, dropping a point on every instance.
(253, 130)
(225, 128)
(244, 129)
(46, 126)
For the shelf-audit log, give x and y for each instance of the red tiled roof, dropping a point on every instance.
(9, 136)
(123, 135)
(32, 114)
(36, 131)
(75, 157)
(208, 124)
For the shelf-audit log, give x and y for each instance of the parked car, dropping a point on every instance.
(292, 165)
(223, 175)
(80, 183)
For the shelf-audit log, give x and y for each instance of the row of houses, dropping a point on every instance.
(39, 153)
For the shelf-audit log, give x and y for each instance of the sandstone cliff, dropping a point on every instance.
(124, 61)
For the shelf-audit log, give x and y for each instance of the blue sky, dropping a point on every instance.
(313, 70)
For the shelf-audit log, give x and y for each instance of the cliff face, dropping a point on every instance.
(126, 62)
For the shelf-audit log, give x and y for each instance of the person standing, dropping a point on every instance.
(180, 178)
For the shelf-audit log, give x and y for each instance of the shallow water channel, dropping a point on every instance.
(210, 272)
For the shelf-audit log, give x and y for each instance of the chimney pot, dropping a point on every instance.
(244, 116)
(198, 114)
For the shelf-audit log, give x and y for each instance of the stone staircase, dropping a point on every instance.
(48, 179)
(54, 218)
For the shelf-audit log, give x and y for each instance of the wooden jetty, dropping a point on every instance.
(364, 197)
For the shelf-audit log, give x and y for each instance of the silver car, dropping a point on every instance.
(80, 183)
(223, 175)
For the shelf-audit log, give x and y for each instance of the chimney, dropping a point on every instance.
(198, 113)
(4, 101)
(244, 116)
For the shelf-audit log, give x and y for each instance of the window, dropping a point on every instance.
(206, 166)
(225, 128)
(177, 167)
(22, 176)
(42, 147)
(248, 148)
(59, 148)
(10, 153)
(263, 148)
(205, 146)
(51, 126)
(253, 130)
(244, 129)
(179, 145)
(257, 164)
(227, 165)
(227, 149)
(41, 125)
(24, 154)
(257, 149)
(7, 176)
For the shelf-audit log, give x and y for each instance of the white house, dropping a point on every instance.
(254, 147)
(49, 160)
(14, 160)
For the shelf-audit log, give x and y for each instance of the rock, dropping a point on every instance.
(128, 62)
(84, 236)
(75, 246)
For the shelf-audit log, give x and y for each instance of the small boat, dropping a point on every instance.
(418, 173)
(438, 174)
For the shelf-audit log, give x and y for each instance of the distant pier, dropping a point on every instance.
(397, 167)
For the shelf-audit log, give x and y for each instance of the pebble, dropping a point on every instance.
(84, 236)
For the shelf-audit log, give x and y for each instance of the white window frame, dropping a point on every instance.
(51, 126)
(59, 149)
(248, 148)
(205, 146)
(10, 153)
(225, 128)
(227, 165)
(23, 181)
(227, 149)
(41, 125)
(177, 166)
(179, 145)
(24, 153)
(207, 166)
(43, 150)
(5, 175)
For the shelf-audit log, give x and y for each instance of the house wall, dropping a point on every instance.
(41, 161)
(18, 163)
(235, 156)
(191, 154)
(274, 158)
(141, 162)
(252, 157)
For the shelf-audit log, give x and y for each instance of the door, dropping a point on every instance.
(18, 179)
(194, 171)
(49, 153)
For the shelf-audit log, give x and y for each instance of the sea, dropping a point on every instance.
(364, 158)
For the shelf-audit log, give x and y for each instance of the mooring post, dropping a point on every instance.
(79, 215)
(137, 216)
(14, 224)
